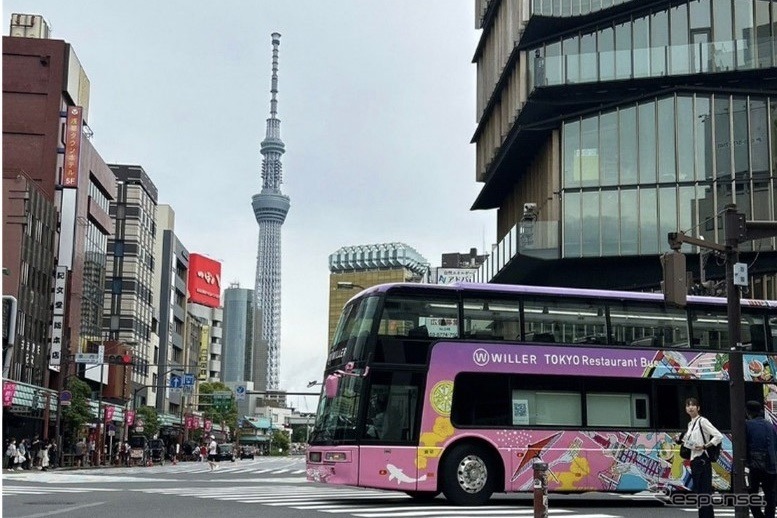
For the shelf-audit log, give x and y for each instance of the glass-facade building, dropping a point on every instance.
(238, 334)
(605, 125)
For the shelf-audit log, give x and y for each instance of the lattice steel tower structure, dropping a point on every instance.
(270, 209)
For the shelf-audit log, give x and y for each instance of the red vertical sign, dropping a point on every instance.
(130, 417)
(109, 413)
(9, 390)
(208, 425)
(72, 146)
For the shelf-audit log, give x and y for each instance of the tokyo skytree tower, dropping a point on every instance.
(270, 209)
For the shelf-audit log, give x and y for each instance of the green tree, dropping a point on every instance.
(299, 434)
(150, 420)
(78, 414)
(221, 415)
(280, 443)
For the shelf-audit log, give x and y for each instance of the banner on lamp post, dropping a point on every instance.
(130, 417)
(189, 423)
(109, 411)
(208, 425)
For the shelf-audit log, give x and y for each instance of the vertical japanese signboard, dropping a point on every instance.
(73, 137)
(202, 364)
(58, 319)
(109, 411)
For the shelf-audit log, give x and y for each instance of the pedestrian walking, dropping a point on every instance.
(21, 455)
(203, 452)
(700, 436)
(92, 451)
(127, 450)
(43, 456)
(761, 458)
(10, 453)
(213, 449)
(53, 454)
(35, 447)
(80, 451)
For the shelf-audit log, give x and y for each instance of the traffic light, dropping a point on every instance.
(119, 359)
(675, 285)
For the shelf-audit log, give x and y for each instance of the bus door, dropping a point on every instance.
(389, 431)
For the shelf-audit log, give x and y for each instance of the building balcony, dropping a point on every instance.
(538, 240)
(672, 60)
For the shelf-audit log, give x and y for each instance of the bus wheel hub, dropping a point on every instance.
(472, 474)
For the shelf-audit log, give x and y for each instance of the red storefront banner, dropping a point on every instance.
(130, 417)
(9, 390)
(109, 410)
(73, 137)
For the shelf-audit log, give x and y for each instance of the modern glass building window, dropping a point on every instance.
(666, 180)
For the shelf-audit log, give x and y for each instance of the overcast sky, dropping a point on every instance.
(376, 101)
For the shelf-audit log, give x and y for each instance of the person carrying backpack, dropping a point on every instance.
(761, 458)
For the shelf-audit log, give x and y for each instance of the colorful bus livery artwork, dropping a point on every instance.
(460, 389)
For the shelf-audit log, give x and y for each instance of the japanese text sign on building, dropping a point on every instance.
(9, 390)
(57, 322)
(73, 137)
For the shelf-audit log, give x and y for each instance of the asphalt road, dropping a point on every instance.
(268, 488)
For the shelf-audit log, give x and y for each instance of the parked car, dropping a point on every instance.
(247, 452)
(225, 452)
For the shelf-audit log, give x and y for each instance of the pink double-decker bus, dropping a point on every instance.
(459, 389)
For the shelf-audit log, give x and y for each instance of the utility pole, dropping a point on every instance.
(736, 230)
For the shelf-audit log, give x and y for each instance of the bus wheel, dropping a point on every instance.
(422, 496)
(468, 475)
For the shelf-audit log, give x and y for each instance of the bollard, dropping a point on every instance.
(540, 489)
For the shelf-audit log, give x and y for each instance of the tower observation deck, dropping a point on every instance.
(270, 208)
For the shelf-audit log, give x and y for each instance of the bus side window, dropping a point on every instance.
(648, 325)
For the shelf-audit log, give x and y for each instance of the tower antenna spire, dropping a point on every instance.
(270, 209)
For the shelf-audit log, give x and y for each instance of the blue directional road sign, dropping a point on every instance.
(240, 392)
(188, 379)
(176, 382)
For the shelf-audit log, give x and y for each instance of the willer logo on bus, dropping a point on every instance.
(480, 357)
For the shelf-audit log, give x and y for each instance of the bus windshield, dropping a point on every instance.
(352, 331)
(336, 418)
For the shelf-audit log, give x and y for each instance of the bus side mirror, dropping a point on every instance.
(331, 384)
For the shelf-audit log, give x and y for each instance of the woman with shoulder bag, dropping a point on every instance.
(700, 436)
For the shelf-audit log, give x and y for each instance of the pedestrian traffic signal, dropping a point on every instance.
(119, 359)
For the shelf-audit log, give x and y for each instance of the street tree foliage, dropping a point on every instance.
(223, 416)
(78, 414)
(280, 443)
(150, 421)
(299, 434)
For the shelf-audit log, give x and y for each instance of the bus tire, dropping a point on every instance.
(468, 475)
(422, 496)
